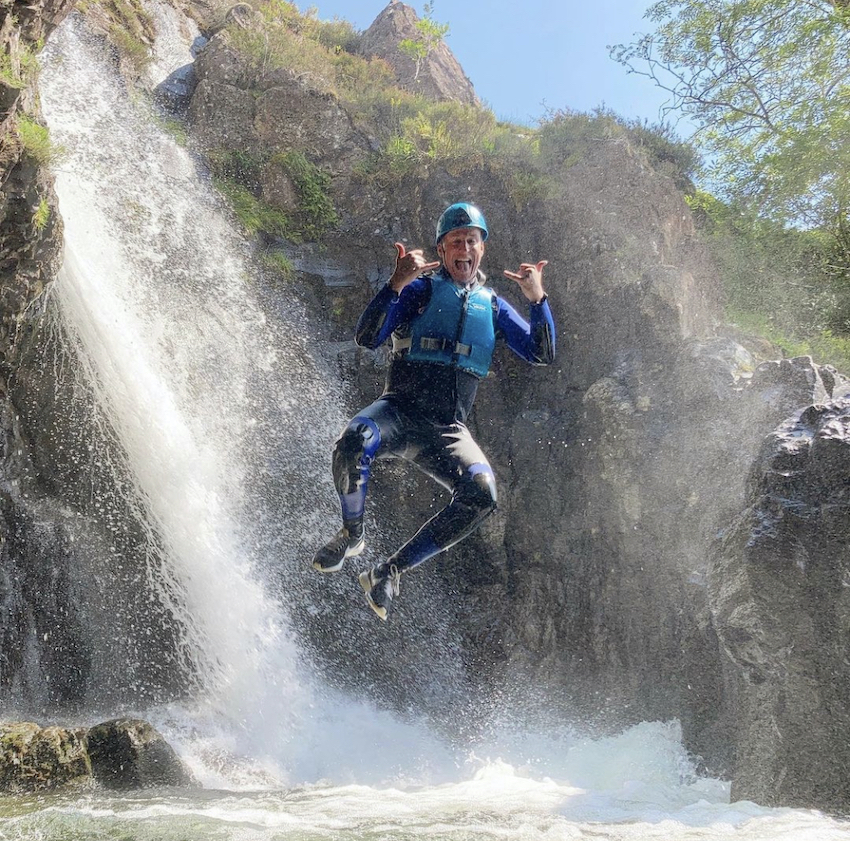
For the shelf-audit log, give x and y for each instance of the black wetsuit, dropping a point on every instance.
(421, 417)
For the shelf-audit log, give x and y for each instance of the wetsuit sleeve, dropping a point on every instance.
(388, 311)
(533, 340)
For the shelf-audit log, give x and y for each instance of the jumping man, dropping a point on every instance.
(443, 323)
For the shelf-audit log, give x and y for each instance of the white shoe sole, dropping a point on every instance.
(366, 583)
(349, 553)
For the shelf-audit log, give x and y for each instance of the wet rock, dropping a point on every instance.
(34, 759)
(131, 754)
(779, 597)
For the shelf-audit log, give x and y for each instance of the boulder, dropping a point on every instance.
(35, 759)
(131, 754)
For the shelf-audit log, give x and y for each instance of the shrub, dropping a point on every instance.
(42, 215)
(316, 213)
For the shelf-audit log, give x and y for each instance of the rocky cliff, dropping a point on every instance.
(598, 594)
(438, 74)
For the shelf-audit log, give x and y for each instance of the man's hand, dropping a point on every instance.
(408, 266)
(530, 280)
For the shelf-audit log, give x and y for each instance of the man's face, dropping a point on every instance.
(461, 251)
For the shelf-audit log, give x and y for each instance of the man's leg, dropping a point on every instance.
(373, 429)
(459, 464)
(450, 456)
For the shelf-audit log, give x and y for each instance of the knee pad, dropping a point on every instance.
(478, 489)
(354, 451)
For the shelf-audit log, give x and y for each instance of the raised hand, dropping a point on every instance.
(408, 266)
(530, 280)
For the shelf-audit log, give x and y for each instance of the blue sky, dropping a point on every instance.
(527, 56)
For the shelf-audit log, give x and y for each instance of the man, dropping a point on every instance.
(444, 327)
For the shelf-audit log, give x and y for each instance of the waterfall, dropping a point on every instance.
(158, 299)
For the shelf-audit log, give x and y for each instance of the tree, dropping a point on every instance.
(429, 34)
(767, 84)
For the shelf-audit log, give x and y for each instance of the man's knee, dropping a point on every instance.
(355, 449)
(478, 490)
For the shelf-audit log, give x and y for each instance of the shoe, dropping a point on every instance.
(380, 583)
(332, 555)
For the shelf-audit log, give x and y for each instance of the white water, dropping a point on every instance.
(157, 295)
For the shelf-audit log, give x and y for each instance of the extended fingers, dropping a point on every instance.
(527, 271)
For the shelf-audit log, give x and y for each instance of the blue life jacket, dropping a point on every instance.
(456, 328)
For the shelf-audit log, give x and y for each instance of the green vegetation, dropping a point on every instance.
(280, 264)
(42, 215)
(315, 213)
(414, 133)
(767, 83)
(36, 143)
(20, 70)
(238, 175)
(429, 35)
(128, 26)
(255, 215)
(781, 282)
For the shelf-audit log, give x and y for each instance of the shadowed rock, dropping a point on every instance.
(780, 592)
(131, 754)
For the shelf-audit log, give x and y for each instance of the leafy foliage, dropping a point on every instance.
(777, 279)
(42, 215)
(316, 213)
(238, 174)
(767, 83)
(429, 35)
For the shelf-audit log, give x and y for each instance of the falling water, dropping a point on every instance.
(158, 300)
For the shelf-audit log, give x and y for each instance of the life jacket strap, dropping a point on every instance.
(431, 343)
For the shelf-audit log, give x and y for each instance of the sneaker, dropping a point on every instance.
(380, 583)
(332, 555)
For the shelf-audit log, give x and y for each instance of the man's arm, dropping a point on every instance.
(533, 340)
(398, 301)
(388, 310)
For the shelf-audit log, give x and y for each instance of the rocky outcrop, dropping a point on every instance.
(131, 754)
(34, 759)
(779, 597)
(124, 754)
(30, 230)
(438, 75)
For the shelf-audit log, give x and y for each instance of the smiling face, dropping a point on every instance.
(461, 251)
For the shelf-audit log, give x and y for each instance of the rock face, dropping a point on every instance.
(779, 594)
(29, 240)
(439, 74)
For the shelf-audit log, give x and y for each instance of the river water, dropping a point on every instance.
(158, 297)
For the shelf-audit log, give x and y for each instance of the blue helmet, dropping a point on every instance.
(461, 215)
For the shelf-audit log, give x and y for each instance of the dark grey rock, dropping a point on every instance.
(131, 754)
